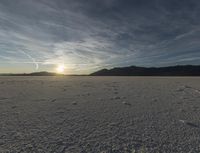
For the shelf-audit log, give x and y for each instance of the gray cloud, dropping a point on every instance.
(91, 34)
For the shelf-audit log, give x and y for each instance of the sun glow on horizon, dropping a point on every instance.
(60, 68)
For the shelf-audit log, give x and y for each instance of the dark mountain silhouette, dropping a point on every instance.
(33, 74)
(184, 70)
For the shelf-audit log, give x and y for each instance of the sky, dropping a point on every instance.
(87, 35)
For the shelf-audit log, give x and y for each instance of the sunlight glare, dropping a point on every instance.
(60, 69)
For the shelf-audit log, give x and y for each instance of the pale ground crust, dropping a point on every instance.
(99, 114)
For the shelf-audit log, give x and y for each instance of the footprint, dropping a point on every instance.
(3, 98)
(53, 100)
(189, 123)
(13, 107)
(126, 103)
(74, 103)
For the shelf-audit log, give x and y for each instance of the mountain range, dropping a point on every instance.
(43, 73)
(180, 70)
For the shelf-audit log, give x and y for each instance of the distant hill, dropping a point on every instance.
(184, 70)
(33, 74)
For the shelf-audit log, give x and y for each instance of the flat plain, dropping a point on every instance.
(83, 114)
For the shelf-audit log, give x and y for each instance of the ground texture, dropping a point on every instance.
(99, 115)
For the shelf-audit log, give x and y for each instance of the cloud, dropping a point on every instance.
(31, 58)
(91, 34)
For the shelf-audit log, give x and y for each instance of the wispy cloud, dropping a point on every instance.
(96, 34)
(31, 58)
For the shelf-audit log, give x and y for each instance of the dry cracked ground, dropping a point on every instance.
(99, 114)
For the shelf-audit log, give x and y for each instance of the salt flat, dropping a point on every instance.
(99, 114)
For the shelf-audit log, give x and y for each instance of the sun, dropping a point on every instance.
(60, 69)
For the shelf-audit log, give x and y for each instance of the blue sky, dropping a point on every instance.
(88, 35)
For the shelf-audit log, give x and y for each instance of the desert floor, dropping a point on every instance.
(99, 114)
